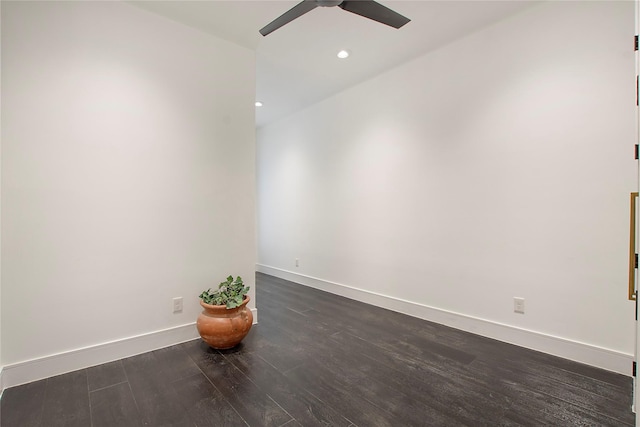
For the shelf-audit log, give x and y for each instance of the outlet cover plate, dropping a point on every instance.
(177, 304)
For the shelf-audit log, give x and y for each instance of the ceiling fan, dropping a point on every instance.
(367, 8)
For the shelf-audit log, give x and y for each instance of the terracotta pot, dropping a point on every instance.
(223, 327)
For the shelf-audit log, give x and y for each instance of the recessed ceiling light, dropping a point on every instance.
(343, 54)
(258, 104)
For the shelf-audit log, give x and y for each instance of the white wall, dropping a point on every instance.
(495, 167)
(128, 174)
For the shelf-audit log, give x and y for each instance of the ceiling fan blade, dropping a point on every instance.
(293, 13)
(374, 10)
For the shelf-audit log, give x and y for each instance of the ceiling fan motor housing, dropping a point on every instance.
(328, 3)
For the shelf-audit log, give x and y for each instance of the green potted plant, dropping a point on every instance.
(225, 319)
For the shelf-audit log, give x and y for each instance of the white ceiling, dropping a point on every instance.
(297, 64)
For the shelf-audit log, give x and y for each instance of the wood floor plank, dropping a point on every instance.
(568, 399)
(365, 375)
(433, 385)
(175, 364)
(395, 336)
(490, 398)
(307, 409)
(340, 394)
(205, 404)
(589, 400)
(66, 401)
(114, 406)
(254, 405)
(157, 402)
(269, 349)
(292, 423)
(441, 401)
(106, 375)
(22, 406)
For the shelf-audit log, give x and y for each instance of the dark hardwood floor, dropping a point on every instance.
(317, 359)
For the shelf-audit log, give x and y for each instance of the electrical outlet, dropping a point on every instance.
(297, 262)
(177, 304)
(518, 305)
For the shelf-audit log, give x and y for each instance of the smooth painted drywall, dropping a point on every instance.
(128, 173)
(497, 167)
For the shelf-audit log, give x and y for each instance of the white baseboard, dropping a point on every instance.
(56, 364)
(573, 350)
(1, 381)
(61, 363)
